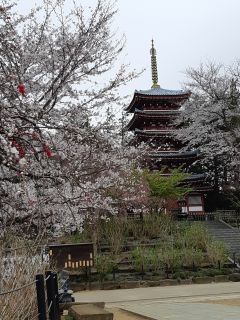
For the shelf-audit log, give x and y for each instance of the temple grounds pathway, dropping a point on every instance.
(215, 301)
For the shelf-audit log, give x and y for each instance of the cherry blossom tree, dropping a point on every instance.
(58, 72)
(210, 121)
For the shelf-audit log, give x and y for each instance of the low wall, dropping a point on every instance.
(110, 285)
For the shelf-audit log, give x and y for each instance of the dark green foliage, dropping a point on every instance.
(167, 187)
(79, 237)
(180, 249)
(196, 236)
(192, 258)
(182, 275)
(158, 226)
(104, 265)
(172, 259)
(114, 232)
(217, 253)
(139, 259)
(155, 260)
(234, 277)
(209, 272)
(234, 198)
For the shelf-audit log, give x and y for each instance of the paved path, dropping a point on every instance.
(187, 311)
(176, 303)
(159, 293)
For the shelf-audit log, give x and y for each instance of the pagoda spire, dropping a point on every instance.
(153, 53)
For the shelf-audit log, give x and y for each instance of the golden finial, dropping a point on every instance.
(153, 53)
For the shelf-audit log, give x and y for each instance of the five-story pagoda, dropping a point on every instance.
(154, 111)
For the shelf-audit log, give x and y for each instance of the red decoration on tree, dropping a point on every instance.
(47, 150)
(20, 150)
(22, 89)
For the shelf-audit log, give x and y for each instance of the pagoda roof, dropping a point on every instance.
(156, 94)
(151, 114)
(157, 112)
(175, 154)
(162, 92)
(199, 183)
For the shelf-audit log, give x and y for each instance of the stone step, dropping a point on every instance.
(226, 237)
(89, 312)
(223, 229)
(222, 232)
(233, 240)
(230, 236)
(234, 247)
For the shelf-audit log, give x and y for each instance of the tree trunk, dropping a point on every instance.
(94, 239)
(94, 231)
(216, 175)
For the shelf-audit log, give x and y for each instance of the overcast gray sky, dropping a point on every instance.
(186, 32)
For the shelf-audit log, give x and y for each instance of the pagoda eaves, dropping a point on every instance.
(156, 94)
(176, 154)
(150, 115)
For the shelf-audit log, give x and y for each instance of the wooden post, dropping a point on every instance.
(41, 297)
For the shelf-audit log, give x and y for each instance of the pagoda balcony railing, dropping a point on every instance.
(154, 131)
(154, 128)
(160, 112)
(160, 108)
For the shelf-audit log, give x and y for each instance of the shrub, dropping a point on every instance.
(197, 236)
(155, 259)
(234, 277)
(192, 257)
(114, 232)
(139, 258)
(182, 275)
(92, 231)
(134, 228)
(226, 271)
(79, 237)
(172, 259)
(104, 265)
(156, 225)
(210, 272)
(217, 253)
(197, 274)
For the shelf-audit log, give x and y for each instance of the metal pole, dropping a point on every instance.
(41, 297)
(55, 280)
(51, 296)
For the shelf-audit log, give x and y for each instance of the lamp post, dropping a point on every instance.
(182, 204)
